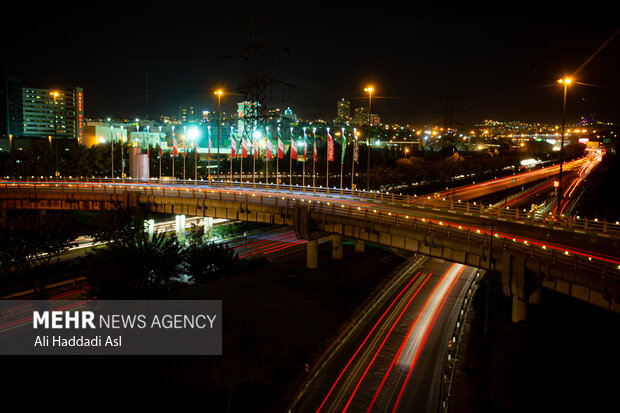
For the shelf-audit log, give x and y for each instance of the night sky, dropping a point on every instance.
(482, 63)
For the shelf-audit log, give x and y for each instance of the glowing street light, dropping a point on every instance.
(219, 94)
(54, 95)
(566, 81)
(368, 90)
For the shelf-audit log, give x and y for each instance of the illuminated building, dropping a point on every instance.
(34, 113)
(343, 112)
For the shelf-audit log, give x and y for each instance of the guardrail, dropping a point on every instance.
(554, 222)
(454, 345)
(589, 261)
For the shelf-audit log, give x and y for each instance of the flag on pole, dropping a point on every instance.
(233, 144)
(209, 139)
(356, 148)
(314, 151)
(148, 149)
(159, 142)
(269, 147)
(293, 149)
(255, 148)
(175, 148)
(344, 145)
(305, 146)
(330, 146)
(280, 146)
(244, 147)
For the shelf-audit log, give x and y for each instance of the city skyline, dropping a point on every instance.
(426, 66)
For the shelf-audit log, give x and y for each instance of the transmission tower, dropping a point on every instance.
(256, 81)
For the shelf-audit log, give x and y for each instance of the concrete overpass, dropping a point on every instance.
(577, 257)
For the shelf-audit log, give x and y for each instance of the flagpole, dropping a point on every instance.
(241, 167)
(209, 155)
(267, 158)
(148, 152)
(184, 153)
(173, 139)
(136, 156)
(290, 175)
(344, 149)
(314, 160)
(232, 142)
(159, 154)
(327, 162)
(112, 148)
(254, 159)
(278, 163)
(303, 173)
(353, 161)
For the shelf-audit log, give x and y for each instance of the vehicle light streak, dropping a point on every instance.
(412, 340)
(359, 382)
(370, 334)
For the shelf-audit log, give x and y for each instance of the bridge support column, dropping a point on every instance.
(336, 247)
(312, 254)
(180, 227)
(208, 227)
(360, 245)
(517, 283)
(519, 309)
(536, 297)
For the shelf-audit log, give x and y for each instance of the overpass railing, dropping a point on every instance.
(589, 261)
(430, 202)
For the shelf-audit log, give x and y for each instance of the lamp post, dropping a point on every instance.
(55, 95)
(184, 153)
(566, 81)
(369, 89)
(219, 94)
(195, 140)
(122, 156)
(159, 140)
(112, 146)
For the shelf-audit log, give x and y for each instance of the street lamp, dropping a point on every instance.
(219, 94)
(566, 81)
(55, 95)
(369, 90)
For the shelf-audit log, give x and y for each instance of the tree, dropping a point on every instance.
(32, 242)
(133, 265)
(204, 261)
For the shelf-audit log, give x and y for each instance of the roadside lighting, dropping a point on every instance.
(566, 81)
(368, 90)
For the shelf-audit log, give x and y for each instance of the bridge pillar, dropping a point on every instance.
(536, 297)
(312, 254)
(519, 309)
(517, 283)
(208, 227)
(336, 247)
(360, 245)
(180, 226)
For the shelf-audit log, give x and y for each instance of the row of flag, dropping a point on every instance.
(241, 145)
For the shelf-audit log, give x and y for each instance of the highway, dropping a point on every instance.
(482, 189)
(391, 359)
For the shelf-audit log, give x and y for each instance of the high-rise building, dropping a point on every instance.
(186, 114)
(42, 113)
(343, 112)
